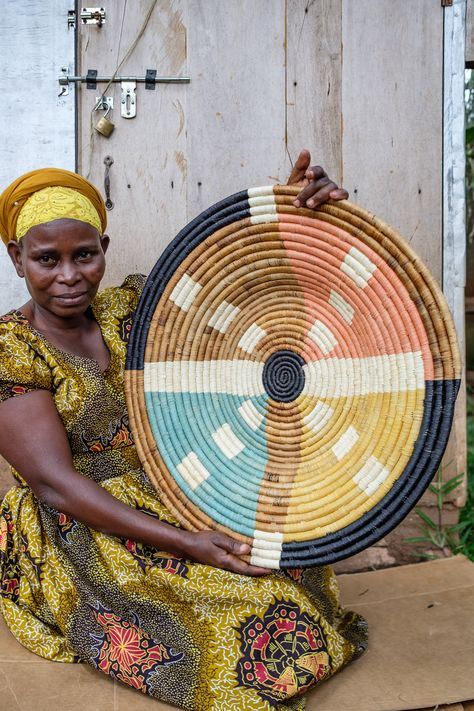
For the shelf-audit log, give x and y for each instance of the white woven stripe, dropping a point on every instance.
(265, 217)
(371, 476)
(358, 267)
(251, 337)
(263, 190)
(256, 559)
(330, 377)
(322, 336)
(318, 417)
(261, 200)
(193, 470)
(223, 316)
(348, 377)
(251, 415)
(227, 441)
(266, 549)
(267, 540)
(345, 443)
(341, 305)
(231, 377)
(185, 292)
(263, 207)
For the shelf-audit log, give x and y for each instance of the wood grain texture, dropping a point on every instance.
(470, 32)
(37, 126)
(189, 145)
(236, 103)
(392, 112)
(454, 226)
(148, 177)
(313, 81)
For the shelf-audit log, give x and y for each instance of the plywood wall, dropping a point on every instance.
(470, 33)
(392, 114)
(360, 84)
(37, 126)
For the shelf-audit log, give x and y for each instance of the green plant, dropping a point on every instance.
(440, 537)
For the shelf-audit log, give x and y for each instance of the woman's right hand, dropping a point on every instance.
(221, 551)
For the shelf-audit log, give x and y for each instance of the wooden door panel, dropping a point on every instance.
(148, 187)
(313, 84)
(392, 105)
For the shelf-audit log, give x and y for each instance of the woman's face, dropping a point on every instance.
(62, 263)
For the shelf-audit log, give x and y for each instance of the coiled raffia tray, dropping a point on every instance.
(291, 377)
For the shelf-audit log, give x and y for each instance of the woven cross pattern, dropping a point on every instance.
(291, 377)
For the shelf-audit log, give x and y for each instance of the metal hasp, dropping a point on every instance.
(104, 103)
(89, 16)
(128, 99)
(93, 16)
(65, 79)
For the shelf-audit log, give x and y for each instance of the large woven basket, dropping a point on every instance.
(291, 377)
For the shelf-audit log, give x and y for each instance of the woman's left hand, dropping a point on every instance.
(316, 185)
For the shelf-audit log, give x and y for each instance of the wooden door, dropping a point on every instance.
(360, 84)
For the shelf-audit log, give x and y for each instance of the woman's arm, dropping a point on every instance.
(34, 441)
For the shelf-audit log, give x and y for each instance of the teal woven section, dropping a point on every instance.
(183, 423)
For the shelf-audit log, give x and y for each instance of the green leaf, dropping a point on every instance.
(424, 517)
(470, 134)
(452, 484)
(424, 530)
(461, 526)
(417, 539)
(439, 538)
(428, 556)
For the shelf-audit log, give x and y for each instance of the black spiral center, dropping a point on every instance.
(283, 376)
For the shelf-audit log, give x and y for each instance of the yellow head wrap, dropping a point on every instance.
(52, 204)
(45, 195)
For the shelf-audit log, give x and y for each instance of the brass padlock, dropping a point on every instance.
(104, 125)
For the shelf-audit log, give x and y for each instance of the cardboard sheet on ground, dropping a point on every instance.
(421, 652)
(421, 649)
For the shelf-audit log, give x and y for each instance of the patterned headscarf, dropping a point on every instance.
(45, 195)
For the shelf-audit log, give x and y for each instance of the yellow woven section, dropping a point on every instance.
(325, 489)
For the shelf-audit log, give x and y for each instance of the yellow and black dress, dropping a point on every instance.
(185, 633)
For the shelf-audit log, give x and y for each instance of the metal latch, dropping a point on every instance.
(128, 99)
(92, 79)
(104, 103)
(88, 15)
(93, 16)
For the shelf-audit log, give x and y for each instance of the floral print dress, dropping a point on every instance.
(188, 634)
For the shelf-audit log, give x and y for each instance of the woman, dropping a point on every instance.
(93, 567)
